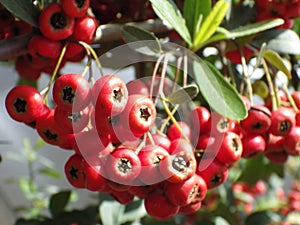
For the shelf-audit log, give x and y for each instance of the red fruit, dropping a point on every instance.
(71, 122)
(173, 132)
(190, 208)
(137, 87)
(182, 193)
(296, 98)
(74, 171)
(139, 115)
(291, 142)
(75, 8)
(297, 119)
(85, 28)
(179, 166)
(27, 69)
(231, 148)
(199, 120)
(180, 145)
(74, 50)
(283, 120)
(123, 166)
(218, 124)
(253, 145)
(39, 46)
(142, 191)
(150, 157)
(109, 95)
(54, 23)
(159, 207)
(24, 103)
(94, 174)
(159, 140)
(258, 120)
(278, 157)
(71, 92)
(51, 133)
(214, 174)
(122, 197)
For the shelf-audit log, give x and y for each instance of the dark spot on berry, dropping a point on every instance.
(215, 180)
(80, 3)
(58, 20)
(124, 165)
(256, 126)
(179, 164)
(145, 113)
(284, 126)
(157, 159)
(223, 125)
(20, 105)
(118, 94)
(50, 135)
(73, 171)
(68, 94)
(235, 144)
(75, 117)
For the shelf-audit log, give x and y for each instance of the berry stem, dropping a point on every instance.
(158, 61)
(55, 71)
(166, 121)
(88, 48)
(247, 77)
(271, 86)
(290, 98)
(179, 62)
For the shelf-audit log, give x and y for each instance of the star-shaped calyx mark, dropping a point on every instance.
(20, 105)
(68, 95)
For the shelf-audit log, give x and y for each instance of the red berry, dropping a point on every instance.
(253, 145)
(199, 119)
(71, 92)
(39, 46)
(283, 120)
(24, 103)
(74, 171)
(54, 23)
(173, 132)
(137, 87)
(291, 142)
(75, 8)
(85, 28)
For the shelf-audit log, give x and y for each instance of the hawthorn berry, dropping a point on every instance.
(24, 103)
(75, 8)
(74, 171)
(54, 23)
(85, 28)
(282, 121)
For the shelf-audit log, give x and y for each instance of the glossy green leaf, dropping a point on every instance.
(193, 10)
(144, 41)
(183, 95)
(167, 11)
(220, 95)
(23, 9)
(281, 41)
(111, 212)
(243, 31)
(58, 202)
(262, 218)
(211, 23)
(275, 59)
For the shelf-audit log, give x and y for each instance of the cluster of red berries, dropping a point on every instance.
(108, 11)
(65, 24)
(270, 9)
(10, 26)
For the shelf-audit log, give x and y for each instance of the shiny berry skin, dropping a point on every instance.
(253, 145)
(71, 92)
(190, 208)
(199, 119)
(27, 69)
(71, 122)
(54, 23)
(160, 140)
(214, 173)
(109, 95)
(74, 171)
(39, 46)
(139, 115)
(179, 166)
(291, 142)
(123, 166)
(173, 132)
(137, 87)
(231, 148)
(24, 103)
(75, 8)
(258, 120)
(283, 120)
(159, 207)
(51, 133)
(85, 28)
(122, 197)
(150, 157)
(218, 124)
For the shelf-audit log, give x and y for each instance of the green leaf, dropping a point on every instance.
(50, 173)
(246, 30)
(218, 93)
(167, 11)
(281, 41)
(275, 59)
(111, 212)
(262, 218)
(193, 10)
(23, 9)
(40, 143)
(183, 95)
(58, 202)
(211, 23)
(144, 41)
